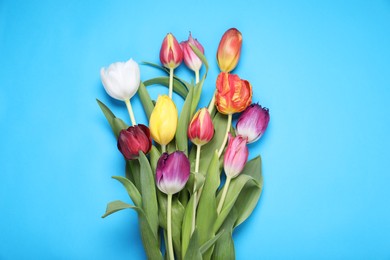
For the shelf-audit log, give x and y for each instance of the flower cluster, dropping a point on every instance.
(188, 206)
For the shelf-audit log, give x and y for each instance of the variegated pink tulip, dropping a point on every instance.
(253, 122)
(191, 60)
(236, 156)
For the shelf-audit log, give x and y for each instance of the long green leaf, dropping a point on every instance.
(184, 120)
(224, 247)
(154, 156)
(187, 225)
(148, 191)
(178, 86)
(196, 96)
(116, 123)
(249, 196)
(193, 251)
(134, 172)
(235, 188)
(131, 190)
(155, 66)
(149, 241)
(146, 101)
(211, 242)
(207, 207)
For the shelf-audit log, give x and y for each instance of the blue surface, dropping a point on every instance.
(323, 69)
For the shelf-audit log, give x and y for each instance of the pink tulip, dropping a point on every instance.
(253, 122)
(236, 156)
(191, 60)
(171, 54)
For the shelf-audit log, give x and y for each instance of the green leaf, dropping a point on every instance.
(155, 66)
(184, 120)
(224, 247)
(187, 225)
(211, 242)
(196, 96)
(148, 191)
(249, 196)
(193, 251)
(133, 171)
(236, 186)
(201, 56)
(179, 87)
(207, 207)
(116, 123)
(154, 156)
(146, 101)
(131, 190)
(195, 182)
(149, 241)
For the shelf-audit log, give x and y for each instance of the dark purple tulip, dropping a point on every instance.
(172, 173)
(253, 122)
(134, 139)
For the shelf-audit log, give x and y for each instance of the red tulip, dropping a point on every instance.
(134, 139)
(201, 128)
(171, 54)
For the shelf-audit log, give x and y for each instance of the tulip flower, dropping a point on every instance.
(171, 56)
(233, 94)
(163, 121)
(253, 122)
(134, 139)
(233, 162)
(191, 60)
(172, 174)
(121, 81)
(201, 129)
(229, 50)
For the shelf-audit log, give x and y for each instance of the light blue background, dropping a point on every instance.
(322, 67)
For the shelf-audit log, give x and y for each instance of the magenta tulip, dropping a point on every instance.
(134, 139)
(253, 122)
(172, 173)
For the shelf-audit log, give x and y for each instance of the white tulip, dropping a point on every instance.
(121, 79)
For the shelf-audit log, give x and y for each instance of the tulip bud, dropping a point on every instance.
(253, 122)
(229, 50)
(191, 60)
(201, 129)
(233, 94)
(171, 54)
(163, 120)
(121, 79)
(172, 172)
(134, 139)
(236, 156)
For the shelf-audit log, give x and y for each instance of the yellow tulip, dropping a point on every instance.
(163, 120)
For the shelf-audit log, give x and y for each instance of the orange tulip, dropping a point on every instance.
(229, 50)
(233, 94)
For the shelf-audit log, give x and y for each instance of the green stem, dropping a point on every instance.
(196, 76)
(224, 192)
(131, 113)
(226, 135)
(211, 105)
(163, 148)
(170, 82)
(169, 224)
(195, 194)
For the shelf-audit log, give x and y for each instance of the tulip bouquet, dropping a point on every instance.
(193, 185)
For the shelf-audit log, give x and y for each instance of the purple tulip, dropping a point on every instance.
(253, 122)
(236, 156)
(172, 173)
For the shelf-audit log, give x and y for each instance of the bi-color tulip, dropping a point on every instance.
(236, 156)
(229, 50)
(201, 128)
(191, 60)
(233, 94)
(133, 140)
(253, 122)
(171, 54)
